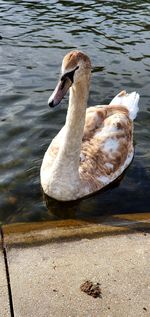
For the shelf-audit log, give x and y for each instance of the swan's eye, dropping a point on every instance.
(70, 75)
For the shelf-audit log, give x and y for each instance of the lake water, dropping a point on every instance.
(34, 37)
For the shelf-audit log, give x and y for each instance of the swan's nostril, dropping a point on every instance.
(51, 104)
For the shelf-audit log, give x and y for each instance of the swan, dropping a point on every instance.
(95, 145)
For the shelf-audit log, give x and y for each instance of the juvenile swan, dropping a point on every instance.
(95, 145)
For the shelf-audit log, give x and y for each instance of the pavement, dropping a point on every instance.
(43, 265)
(4, 298)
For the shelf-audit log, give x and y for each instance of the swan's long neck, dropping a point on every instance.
(75, 123)
(65, 169)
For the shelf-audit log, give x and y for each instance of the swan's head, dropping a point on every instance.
(76, 68)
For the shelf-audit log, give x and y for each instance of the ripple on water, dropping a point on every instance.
(34, 37)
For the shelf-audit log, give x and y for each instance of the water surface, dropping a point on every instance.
(34, 37)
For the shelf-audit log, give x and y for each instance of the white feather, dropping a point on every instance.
(130, 101)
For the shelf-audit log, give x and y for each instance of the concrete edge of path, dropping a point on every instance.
(29, 234)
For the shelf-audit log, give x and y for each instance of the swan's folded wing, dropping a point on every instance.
(107, 149)
(94, 119)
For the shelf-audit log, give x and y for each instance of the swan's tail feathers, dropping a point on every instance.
(130, 101)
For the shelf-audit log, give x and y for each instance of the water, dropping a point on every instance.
(34, 37)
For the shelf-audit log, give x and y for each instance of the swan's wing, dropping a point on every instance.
(129, 101)
(95, 117)
(123, 102)
(93, 120)
(107, 145)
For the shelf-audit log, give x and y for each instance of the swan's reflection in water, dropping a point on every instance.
(59, 209)
(81, 208)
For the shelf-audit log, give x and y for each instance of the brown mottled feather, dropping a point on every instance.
(102, 124)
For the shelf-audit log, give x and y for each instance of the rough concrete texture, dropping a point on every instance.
(4, 300)
(45, 280)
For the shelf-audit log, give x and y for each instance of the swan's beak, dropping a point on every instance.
(60, 91)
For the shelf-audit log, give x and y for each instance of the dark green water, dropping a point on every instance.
(34, 37)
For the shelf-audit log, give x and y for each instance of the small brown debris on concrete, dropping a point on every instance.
(91, 289)
(144, 308)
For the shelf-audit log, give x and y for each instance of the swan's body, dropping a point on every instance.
(96, 145)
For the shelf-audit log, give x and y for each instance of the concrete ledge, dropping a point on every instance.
(46, 279)
(28, 234)
(48, 262)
